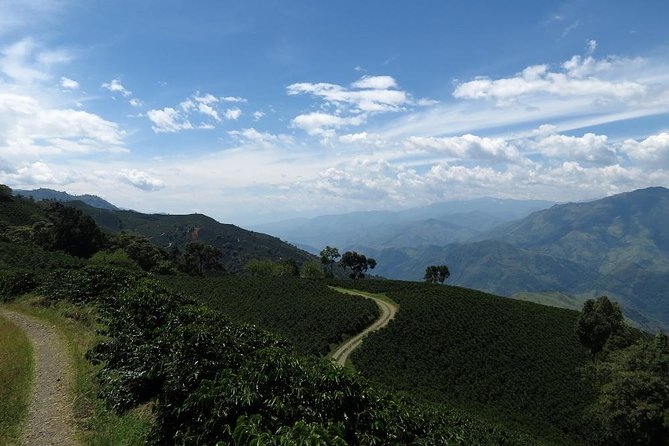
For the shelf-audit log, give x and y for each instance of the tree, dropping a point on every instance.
(147, 255)
(358, 264)
(311, 269)
(69, 230)
(599, 319)
(200, 257)
(329, 256)
(437, 273)
(633, 403)
(5, 193)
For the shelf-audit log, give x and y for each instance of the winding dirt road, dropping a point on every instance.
(50, 419)
(388, 311)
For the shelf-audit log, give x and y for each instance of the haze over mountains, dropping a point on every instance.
(437, 224)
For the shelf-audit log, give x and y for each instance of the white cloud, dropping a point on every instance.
(34, 174)
(68, 84)
(323, 124)
(233, 114)
(467, 147)
(653, 150)
(590, 148)
(576, 80)
(209, 111)
(31, 128)
(115, 86)
(26, 62)
(168, 120)
(591, 46)
(141, 180)
(360, 100)
(257, 115)
(262, 139)
(135, 102)
(375, 82)
(233, 99)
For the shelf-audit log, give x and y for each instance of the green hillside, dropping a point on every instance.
(515, 361)
(237, 245)
(50, 194)
(307, 313)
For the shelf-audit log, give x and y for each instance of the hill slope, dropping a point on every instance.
(50, 194)
(618, 246)
(238, 245)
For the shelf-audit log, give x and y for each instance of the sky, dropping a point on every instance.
(255, 111)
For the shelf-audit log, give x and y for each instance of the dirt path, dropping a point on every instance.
(50, 418)
(388, 311)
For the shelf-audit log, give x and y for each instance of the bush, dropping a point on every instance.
(14, 282)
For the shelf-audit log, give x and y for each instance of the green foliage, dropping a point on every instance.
(14, 282)
(147, 255)
(516, 361)
(599, 319)
(237, 245)
(199, 258)
(117, 258)
(437, 273)
(312, 270)
(35, 258)
(329, 256)
(309, 314)
(357, 264)
(259, 267)
(68, 230)
(88, 284)
(633, 403)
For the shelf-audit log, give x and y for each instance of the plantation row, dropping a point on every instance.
(461, 346)
(212, 380)
(307, 313)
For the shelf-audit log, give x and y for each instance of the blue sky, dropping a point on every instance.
(255, 111)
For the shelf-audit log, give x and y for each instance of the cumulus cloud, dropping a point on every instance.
(233, 114)
(68, 84)
(29, 127)
(653, 150)
(168, 120)
(324, 124)
(577, 78)
(369, 94)
(141, 180)
(467, 147)
(31, 174)
(191, 111)
(115, 86)
(590, 148)
(257, 115)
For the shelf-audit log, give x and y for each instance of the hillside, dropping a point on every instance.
(511, 360)
(50, 194)
(618, 246)
(238, 245)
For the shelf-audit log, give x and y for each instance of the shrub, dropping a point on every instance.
(14, 282)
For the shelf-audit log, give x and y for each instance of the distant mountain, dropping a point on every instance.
(618, 246)
(50, 194)
(437, 224)
(238, 245)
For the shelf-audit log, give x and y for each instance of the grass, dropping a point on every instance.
(96, 425)
(16, 366)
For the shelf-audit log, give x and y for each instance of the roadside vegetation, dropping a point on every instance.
(15, 375)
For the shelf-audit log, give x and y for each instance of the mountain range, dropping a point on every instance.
(50, 194)
(437, 224)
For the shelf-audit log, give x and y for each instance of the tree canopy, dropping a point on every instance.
(329, 256)
(437, 273)
(356, 264)
(599, 319)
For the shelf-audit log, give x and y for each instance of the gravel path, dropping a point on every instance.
(388, 311)
(50, 416)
